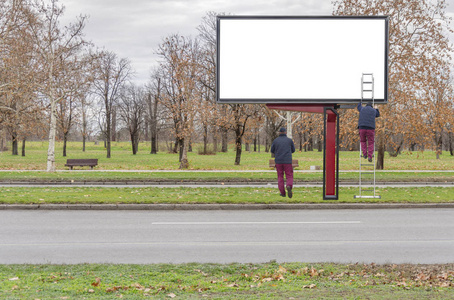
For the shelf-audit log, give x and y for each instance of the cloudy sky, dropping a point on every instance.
(135, 28)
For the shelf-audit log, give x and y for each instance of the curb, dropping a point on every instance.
(282, 206)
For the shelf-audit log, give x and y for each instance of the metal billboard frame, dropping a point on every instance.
(316, 100)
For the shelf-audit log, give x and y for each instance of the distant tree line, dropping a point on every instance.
(56, 85)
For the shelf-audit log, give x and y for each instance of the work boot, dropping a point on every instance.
(370, 159)
(282, 195)
(289, 191)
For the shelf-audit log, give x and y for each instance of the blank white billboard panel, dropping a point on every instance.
(300, 59)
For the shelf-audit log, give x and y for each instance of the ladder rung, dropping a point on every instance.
(368, 173)
(370, 165)
(368, 82)
(368, 90)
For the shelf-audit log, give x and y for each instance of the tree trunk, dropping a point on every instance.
(84, 128)
(113, 129)
(146, 131)
(23, 147)
(137, 143)
(133, 144)
(184, 163)
(224, 140)
(300, 134)
(439, 145)
(177, 145)
(154, 148)
(310, 144)
(108, 132)
(65, 139)
(154, 128)
(238, 150)
(14, 143)
(451, 150)
(180, 149)
(215, 140)
(380, 153)
(52, 131)
(205, 139)
(154, 120)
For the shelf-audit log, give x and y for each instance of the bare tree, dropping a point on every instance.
(113, 74)
(131, 107)
(57, 48)
(152, 99)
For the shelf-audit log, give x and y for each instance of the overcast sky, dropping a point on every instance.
(135, 28)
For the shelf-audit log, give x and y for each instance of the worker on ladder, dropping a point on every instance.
(366, 126)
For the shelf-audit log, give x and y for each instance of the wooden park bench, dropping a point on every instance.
(294, 163)
(81, 163)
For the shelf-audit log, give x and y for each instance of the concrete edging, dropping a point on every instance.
(290, 206)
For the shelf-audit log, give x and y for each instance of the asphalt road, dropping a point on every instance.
(346, 236)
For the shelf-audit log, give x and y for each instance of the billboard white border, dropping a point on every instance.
(308, 100)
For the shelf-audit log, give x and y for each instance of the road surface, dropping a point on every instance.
(142, 237)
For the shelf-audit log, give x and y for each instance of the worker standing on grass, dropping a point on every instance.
(282, 148)
(366, 126)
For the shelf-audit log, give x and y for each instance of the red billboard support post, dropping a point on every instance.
(331, 148)
(331, 154)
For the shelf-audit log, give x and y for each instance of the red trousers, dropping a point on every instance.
(288, 170)
(367, 138)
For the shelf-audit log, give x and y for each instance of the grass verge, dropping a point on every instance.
(182, 195)
(201, 176)
(231, 281)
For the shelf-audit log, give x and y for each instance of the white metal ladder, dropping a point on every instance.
(366, 187)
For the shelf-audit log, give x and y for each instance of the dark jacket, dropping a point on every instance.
(282, 148)
(367, 116)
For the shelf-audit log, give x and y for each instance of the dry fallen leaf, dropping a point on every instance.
(171, 295)
(282, 269)
(97, 282)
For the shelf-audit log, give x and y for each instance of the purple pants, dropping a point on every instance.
(367, 137)
(288, 170)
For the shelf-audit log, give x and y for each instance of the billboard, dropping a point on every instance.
(316, 59)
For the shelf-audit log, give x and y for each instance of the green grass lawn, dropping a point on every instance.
(122, 159)
(182, 195)
(214, 176)
(230, 281)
